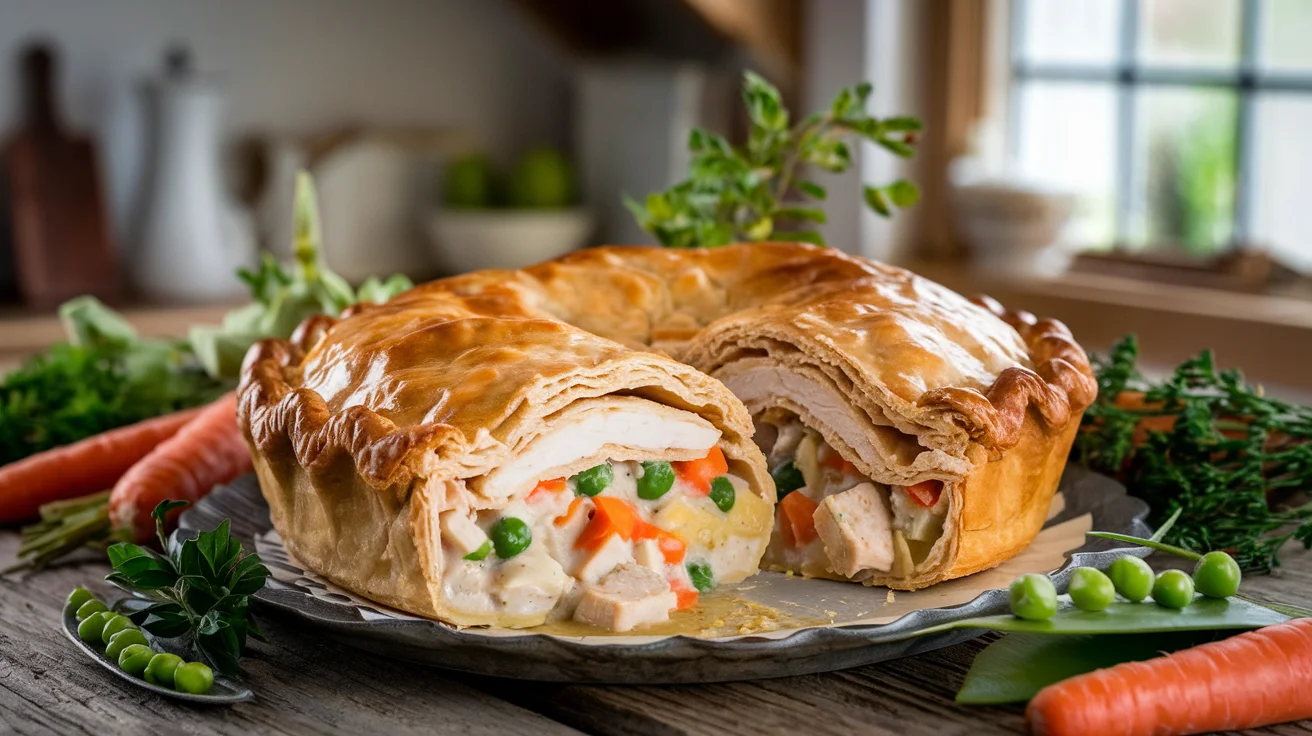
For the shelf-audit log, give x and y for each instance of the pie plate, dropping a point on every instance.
(770, 625)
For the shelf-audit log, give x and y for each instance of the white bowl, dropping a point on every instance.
(472, 240)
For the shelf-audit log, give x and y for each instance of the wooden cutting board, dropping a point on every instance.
(61, 234)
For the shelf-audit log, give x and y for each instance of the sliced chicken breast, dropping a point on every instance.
(628, 597)
(609, 428)
(856, 527)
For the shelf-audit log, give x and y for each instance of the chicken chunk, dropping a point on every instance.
(628, 597)
(530, 583)
(647, 552)
(461, 532)
(613, 553)
(856, 527)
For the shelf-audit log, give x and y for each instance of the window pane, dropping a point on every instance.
(1067, 137)
(1190, 32)
(1184, 163)
(1283, 160)
(1069, 31)
(1287, 35)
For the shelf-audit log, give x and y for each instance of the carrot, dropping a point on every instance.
(839, 463)
(1255, 679)
(81, 468)
(798, 518)
(700, 473)
(546, 488)
(670, 544)
(926, 492)
(574, 507)
(686, 596)
(612, 516)
(206, 452)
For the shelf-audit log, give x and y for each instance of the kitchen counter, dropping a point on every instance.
(305, 683)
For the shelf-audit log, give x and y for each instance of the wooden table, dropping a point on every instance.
(307, 684)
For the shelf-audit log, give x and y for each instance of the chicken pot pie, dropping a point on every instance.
(577, 438)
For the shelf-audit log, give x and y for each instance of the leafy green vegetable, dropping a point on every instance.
(1206, 444)
(1130, 618)
(201, 588)
(1016, 667)
(105, 379)
(283, 298)
(738, 194)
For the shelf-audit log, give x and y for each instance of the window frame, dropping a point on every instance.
(1129, 74)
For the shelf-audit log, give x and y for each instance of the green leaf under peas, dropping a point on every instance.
(1016, 667)
(875, 198)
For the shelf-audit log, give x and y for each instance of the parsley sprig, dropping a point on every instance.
(739, 194)
(201, 588)
(1235, 463)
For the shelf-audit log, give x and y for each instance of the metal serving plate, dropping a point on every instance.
(808, 625)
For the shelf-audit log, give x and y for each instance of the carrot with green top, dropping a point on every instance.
(82, 468)
(206, 452)
(1255, 679)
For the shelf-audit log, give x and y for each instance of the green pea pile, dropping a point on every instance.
(1216, 575)
(125, 644)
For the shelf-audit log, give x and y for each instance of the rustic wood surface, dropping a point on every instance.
(306, 684)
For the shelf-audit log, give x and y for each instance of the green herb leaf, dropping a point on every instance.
(1206, 445)
(903, 193)
(1016, 667)
(159, 514)
(802, 213)
(874, 197)
(137, 568)
(812, 189)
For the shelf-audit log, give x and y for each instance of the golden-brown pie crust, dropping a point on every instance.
(399, 399)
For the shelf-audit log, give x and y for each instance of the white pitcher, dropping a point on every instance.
(193, 236)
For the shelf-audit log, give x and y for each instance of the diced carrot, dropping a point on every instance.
(700, 473)
(612, 516)
(546, 488)
(573, 509)
(798, 518)
(839, 463)
(670, 544)
(926, 492)
(686, 596)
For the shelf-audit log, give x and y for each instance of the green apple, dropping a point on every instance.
(470, 182)
(543, 178)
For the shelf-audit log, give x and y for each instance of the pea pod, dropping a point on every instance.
(79, 596)
(134, 658)
(122, 640)
(114, 623)
(90, 607)
(91, 626)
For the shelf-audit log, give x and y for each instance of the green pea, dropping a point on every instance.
(79, 596)
(134, 659)
(1217, 575)
(90, 607)
(510, 536)
(722, 494)
(1090, 589)
(193, 677)
(90, 628)
(594, 480)
(657, 479)
(114, 623)
(122, 640)
(1173, 589)
(702, 577)
(1132, 577)
(162, 668)
(1033, 597)
(481, 552)
(787, 478)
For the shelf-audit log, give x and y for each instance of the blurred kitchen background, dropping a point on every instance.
(1123, 165)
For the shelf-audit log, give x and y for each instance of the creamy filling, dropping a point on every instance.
(618, 545)
(830, 518)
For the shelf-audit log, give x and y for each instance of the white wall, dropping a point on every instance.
(296, 66)
(845, 42)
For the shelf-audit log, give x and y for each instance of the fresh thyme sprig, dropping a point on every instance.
(1236, 464)
(739, 194)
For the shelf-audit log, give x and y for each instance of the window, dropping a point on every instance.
(1178, 123)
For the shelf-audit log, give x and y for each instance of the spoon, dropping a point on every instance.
(225, 690)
